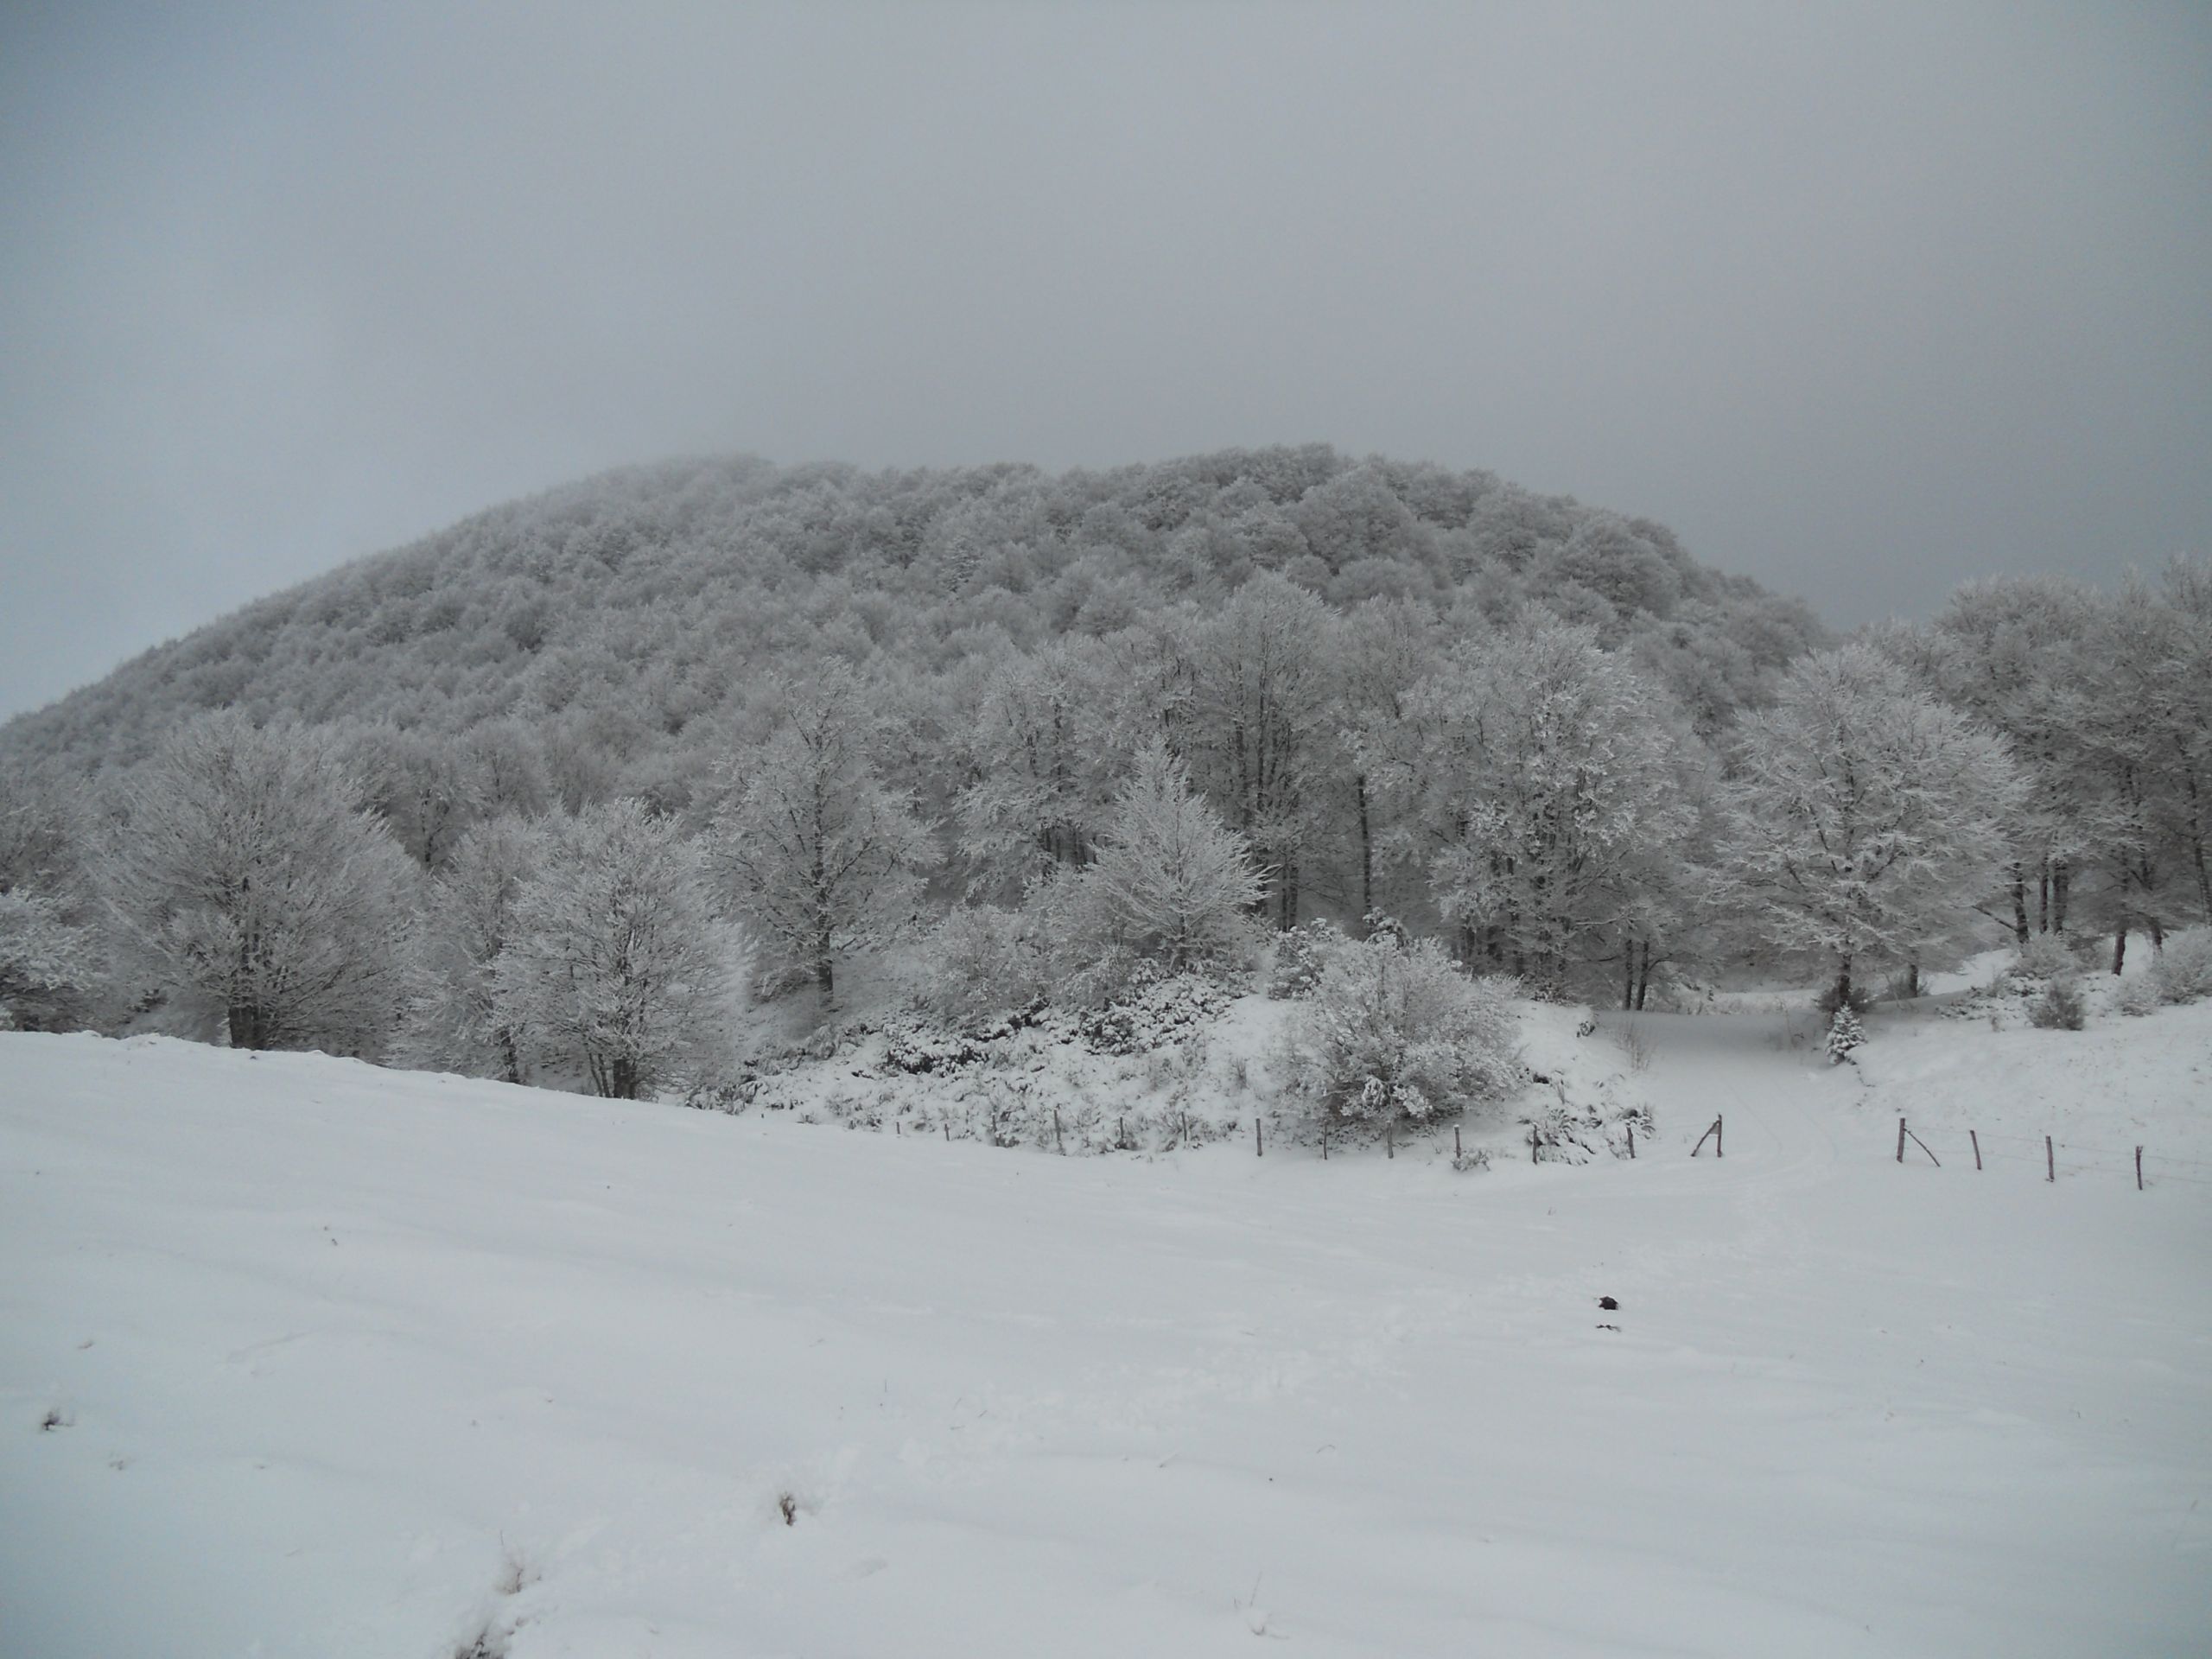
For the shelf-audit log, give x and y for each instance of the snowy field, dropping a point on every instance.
(300, 1357)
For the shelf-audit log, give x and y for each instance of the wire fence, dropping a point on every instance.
(2047, 1156)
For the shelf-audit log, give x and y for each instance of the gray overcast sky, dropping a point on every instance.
(1862, 300)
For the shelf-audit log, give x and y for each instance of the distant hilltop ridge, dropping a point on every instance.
(627, 619)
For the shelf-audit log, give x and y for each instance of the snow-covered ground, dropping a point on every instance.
(302, 1358)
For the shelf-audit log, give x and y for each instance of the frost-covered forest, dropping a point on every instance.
(573, 791)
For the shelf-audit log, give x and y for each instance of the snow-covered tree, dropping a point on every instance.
(1863, 814)
(50, 951)
(1545, 767)
(46, 963)
(1259, 729)
(252, 885)
(424, 785)
(1398, 1031)
(469, 920)
(821, 856)
(1845, 1035)
(1382, 650)
(2012, 652)
(613, 969)
(1170, 882)
(1043, 756)
(980, 963)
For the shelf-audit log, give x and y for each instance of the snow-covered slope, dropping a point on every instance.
(302, 1358)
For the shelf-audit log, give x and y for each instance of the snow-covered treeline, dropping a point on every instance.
(1613, 801)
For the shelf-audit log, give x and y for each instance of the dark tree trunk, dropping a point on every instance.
(1843, 984)
(249, 1026)
(1642, 976)
(2062, 884)
(2019, 905)
(1628, 975)
(2043, 898)
(1367, 859)
(2118, 949)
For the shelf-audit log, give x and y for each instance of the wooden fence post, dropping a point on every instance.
(1324, 1140)
(1717, 1151)
(1455, 1141)
(1059, 1145)
(1631, 1140)
(2050, 1162)
(948, 1131)
(1258, 1150)
(2139, 1169)
(1900, 1139)
(1390, 1141)
(1976, 1139)
(1532, 1143)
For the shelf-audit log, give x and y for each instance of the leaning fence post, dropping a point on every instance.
(2139, 1169)
(948, 1131)
(1976, 1139)
(2050, 1162)
(1900, 1139)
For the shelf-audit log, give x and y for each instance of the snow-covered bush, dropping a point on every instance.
(2183, 971)
(1301, 953)
(2137, 997)
(1156, 1010)
(979, 963)
(2044, 957)
(1400, 1031)
(2059, 1007)
(1845, 1035)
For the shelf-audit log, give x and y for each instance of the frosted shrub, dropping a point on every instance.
(1155, 1010)
(2183, 971)
(2137, 997)
(2044, 957)
(979, 965)
(2059, 1007)
(1398, 1031)
(1301, 953)
(1845, 1035)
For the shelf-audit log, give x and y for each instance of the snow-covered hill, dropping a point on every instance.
(298, 1356)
